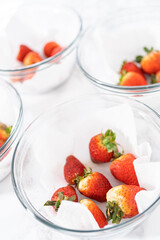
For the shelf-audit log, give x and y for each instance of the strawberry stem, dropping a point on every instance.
(87, 171)
(57, 203)
(153, 79)
(108, 139)
(138, 59)
(114, 212)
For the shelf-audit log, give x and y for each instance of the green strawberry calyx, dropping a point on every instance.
(57, 203)
(153, 79)
(114, 212)
(108, 140)
(122, 76)
(87, 171)
(147, 50)
(8, 130)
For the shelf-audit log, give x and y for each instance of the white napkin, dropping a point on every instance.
(75, 216)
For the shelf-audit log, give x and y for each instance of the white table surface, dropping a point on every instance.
(15, 222)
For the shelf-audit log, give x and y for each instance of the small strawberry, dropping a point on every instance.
(155, 78)
(31, 58)
(130, 67)
(63, 193)
(132, 79)
(49, 47)
(93, 185)
(121, 202)
(103, 147)
(96, 212)
(4, 132)
(72, 168)
(122, 169)
(151, 62)
(23, 51)
(56, 50)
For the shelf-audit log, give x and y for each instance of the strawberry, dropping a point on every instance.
(63, 193)
(31, 58)
(23, 51)
(93, 185)
(4, 132)
(151, 62)
(96, 212)
(130, 67)
(122, 169)
(48, 48)
(56, 50)
(132, 79)
(72, 168)
(103, 147)
(121, 202)
(155, 78)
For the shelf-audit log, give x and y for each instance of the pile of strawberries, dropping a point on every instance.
(94, 185)
(147, 71)
(28, 56)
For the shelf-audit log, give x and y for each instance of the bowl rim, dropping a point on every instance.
(100, 83)
(26, 202)
(56, 56)
(8, 143)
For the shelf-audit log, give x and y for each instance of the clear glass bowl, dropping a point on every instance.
(120, 36)
(11, 115)
(34, 25)
(40, 154)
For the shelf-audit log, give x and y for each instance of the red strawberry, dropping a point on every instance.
(63, 193)
(31, 58)
(103, 147)
(4, 132)
(132, 79)
(72, 168)
(96, 212)
(121, 202)
(48, 48)
(155, 78)
(151, 62)
(23, 51)
(130, 67)
(93, 185)
(56, 50)
(122, 169)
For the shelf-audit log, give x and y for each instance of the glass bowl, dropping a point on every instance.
(11, 115)
(34, 25)
(41, 152)
(120, 36)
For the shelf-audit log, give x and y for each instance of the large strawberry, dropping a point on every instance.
(122, 169)
(93, 185)
(103, 147)
(121, 202)
(132, 79)
(72, 168)
(151, 62)
(130, 67)
(96, 212)
(63, 193)
(23, 51)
